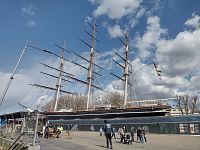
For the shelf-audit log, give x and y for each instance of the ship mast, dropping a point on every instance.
(125, 67)
(58, 86)
(126, 71)
(90, 70)
(63, 74)
(13, 74)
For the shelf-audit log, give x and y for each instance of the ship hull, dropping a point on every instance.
(107, 114)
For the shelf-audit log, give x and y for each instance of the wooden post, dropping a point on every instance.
(36, 126)
(23, 126)
(13, 126)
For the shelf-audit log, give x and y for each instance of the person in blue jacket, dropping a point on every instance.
(108, 133)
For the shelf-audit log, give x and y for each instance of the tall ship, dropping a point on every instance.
(128, 107)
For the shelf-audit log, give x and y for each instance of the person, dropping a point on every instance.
(113, 132)
(59, 130)
(101, 131)
(68, 132)
(132, 134)
(124, 128)
(138, 134)
(46, 132)
(55, 128)
(121, 134)
(76, 127)
(108, 131)
(38, 134)
(144, 131)
(142, 135)
(43, 131)
(92, 128)
(127, 139)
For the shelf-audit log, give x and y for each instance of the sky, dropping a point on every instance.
(166, 32)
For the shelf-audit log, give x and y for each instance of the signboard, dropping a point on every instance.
(196, 128)
(183, 128)
(192, 128)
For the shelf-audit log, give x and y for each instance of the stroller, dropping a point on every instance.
(127, 139)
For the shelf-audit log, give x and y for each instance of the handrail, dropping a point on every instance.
(15, 141)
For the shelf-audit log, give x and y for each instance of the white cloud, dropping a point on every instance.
(116, 9)
(31, 23)
(177, 57)
(146, 84)
(88, 19)
(157, 6)
(193, 22)
(133, 19)
(115, 31)
(29, 13)
(133, 22)
(28, 10)
(141, 12)
(150, 38)
(20, 91)
(93, 1)
(180, 55)
(18, 88)
(195, 80)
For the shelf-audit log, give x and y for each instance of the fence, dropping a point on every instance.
(21, 130)
(163, 125)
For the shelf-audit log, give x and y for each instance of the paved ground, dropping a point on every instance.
(92, 141)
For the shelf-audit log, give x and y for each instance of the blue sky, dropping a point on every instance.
(52, 22)
(166, 29)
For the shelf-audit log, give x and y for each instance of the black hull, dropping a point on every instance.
(107, 114)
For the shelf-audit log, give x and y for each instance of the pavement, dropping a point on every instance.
(92, 141)
(36, 147)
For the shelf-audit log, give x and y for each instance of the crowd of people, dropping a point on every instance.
(125, 136)
(51, 131)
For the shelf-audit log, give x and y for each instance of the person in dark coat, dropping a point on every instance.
(108, 133)
(138, 134)
(144, 131)
(132, 134)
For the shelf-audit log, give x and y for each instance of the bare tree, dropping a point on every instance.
(48, 106)
(74, 102)
(179, 103)
(114, 98)
(193, 104)
(185, 100)
(186, 104)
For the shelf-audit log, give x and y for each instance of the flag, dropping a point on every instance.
(156, 67)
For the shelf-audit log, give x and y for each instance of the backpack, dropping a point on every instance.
(108, 129)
